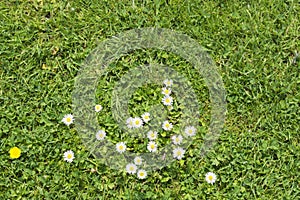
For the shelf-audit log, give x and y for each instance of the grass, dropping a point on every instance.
(255, 46)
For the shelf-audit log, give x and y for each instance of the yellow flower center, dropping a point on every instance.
(190, 131)
(142, 174)
(167, 125)
(178, 153)
(137, 122)
(210, 178)
(68, 119)
(69, 156)
(121, 148)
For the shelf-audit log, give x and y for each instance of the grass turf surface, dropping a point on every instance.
(254, 46)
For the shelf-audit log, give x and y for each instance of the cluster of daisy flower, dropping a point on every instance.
(137, 122)
(152, 136)
(132, 168)
(178, 152)
(68, 120)
(167, 100)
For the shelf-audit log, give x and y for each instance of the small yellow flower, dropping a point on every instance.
(15, 152)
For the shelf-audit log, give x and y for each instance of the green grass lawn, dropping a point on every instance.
(255, 46)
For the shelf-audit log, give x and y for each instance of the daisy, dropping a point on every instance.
(166, 91)
(131, 168)
(138, 160)
(152, 135)
(129, 122)
(121, 147)
(100, 135)
(141, 174)
(168, 82)
(190, 131)
(69, 156)
(170, 107)
(137, 122)
(14, 152)
(177, 139)
(167, 100)
(178, 153)
(210, 177)
(68, 119)
(152, 146)
(93, 170)
(146, 117)
(98, 108)
(167, 126)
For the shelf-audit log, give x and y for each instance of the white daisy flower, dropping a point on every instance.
(210, 177)
(166, 91)
(98, 108)
(141, 174)
(137, 122)
(170, 107)
(168, 82)
(100, 135)
(146, 117)
(176, 139)
(131, 168)
(69, 156)
(121, 147)
(68, 119)
(167, 100)
(178, 153)
(190, 131)
(129, 122)
(152, 146)
(152, 135)
(138, 160)
(167, 126)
